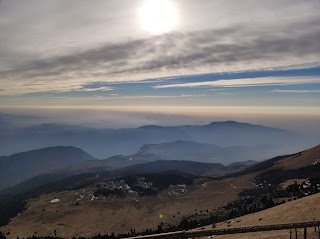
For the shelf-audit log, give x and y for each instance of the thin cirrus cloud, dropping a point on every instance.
(117, 97)
(102, 88)
(295, 91)
(251, 82)
(38, 87)
(179, 53)
(66, 49)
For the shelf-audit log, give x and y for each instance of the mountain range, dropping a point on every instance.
(204, 152)
(104, 143)
(128, 147)
(30, 169)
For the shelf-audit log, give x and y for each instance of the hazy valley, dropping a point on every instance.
(167, 186)
(153, 119)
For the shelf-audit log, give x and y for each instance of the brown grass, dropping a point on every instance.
(120, 215)
(305, 209)
(289, 182)
(306, 158)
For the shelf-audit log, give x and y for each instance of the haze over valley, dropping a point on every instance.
(153, 119)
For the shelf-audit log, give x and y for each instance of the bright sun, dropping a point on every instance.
(158, 16)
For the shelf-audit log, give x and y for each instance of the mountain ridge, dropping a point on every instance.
(105, 142)
(21, 166)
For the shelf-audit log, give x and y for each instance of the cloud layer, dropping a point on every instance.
(251, 82)
(50, 47)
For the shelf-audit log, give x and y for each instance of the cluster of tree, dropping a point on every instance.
(163, 180)
(120, 193)
(277, 176)
(253, 200)
(301, 190)
(249, 200)
(2, 236)
(11, 205)
(160, 181)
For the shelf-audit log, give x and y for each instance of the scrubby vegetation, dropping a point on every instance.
(266, 194)
(2, 236)
(260, 198)
(145, 185)
(11, 205)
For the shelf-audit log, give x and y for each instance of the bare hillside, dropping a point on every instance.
(107, 215)
(77, 212)
(305, 209)
(303, 159)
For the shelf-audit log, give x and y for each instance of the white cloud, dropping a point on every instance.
(30, 86)
(63, 45)
(295, 91)
(101, 88)
(115, 97)
(248, 82)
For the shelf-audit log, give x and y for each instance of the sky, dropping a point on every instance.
(258, 55)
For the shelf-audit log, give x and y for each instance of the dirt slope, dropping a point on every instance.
(133, 212)
(304, 209)
(303, 159)
(120, 215)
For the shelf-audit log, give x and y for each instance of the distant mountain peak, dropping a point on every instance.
(228, 123)
(151, 127)
(236, 124)
(54, 149)
(22, 166)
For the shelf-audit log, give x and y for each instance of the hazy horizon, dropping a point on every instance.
(131, 63)
(161, 53)
(228, 92)
(301, 120)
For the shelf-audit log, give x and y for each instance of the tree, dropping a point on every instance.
(2, 236)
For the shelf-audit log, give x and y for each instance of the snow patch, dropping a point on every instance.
(55, 200)
(81, 197)
(93, 198)
(316, 162)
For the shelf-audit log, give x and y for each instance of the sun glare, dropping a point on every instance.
(158, 16)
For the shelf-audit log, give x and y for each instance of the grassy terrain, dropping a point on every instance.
(172, 205)
(120, 215)
(304, 209)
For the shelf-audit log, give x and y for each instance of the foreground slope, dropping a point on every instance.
(301, 210)
(120, 215)
(205, 200)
